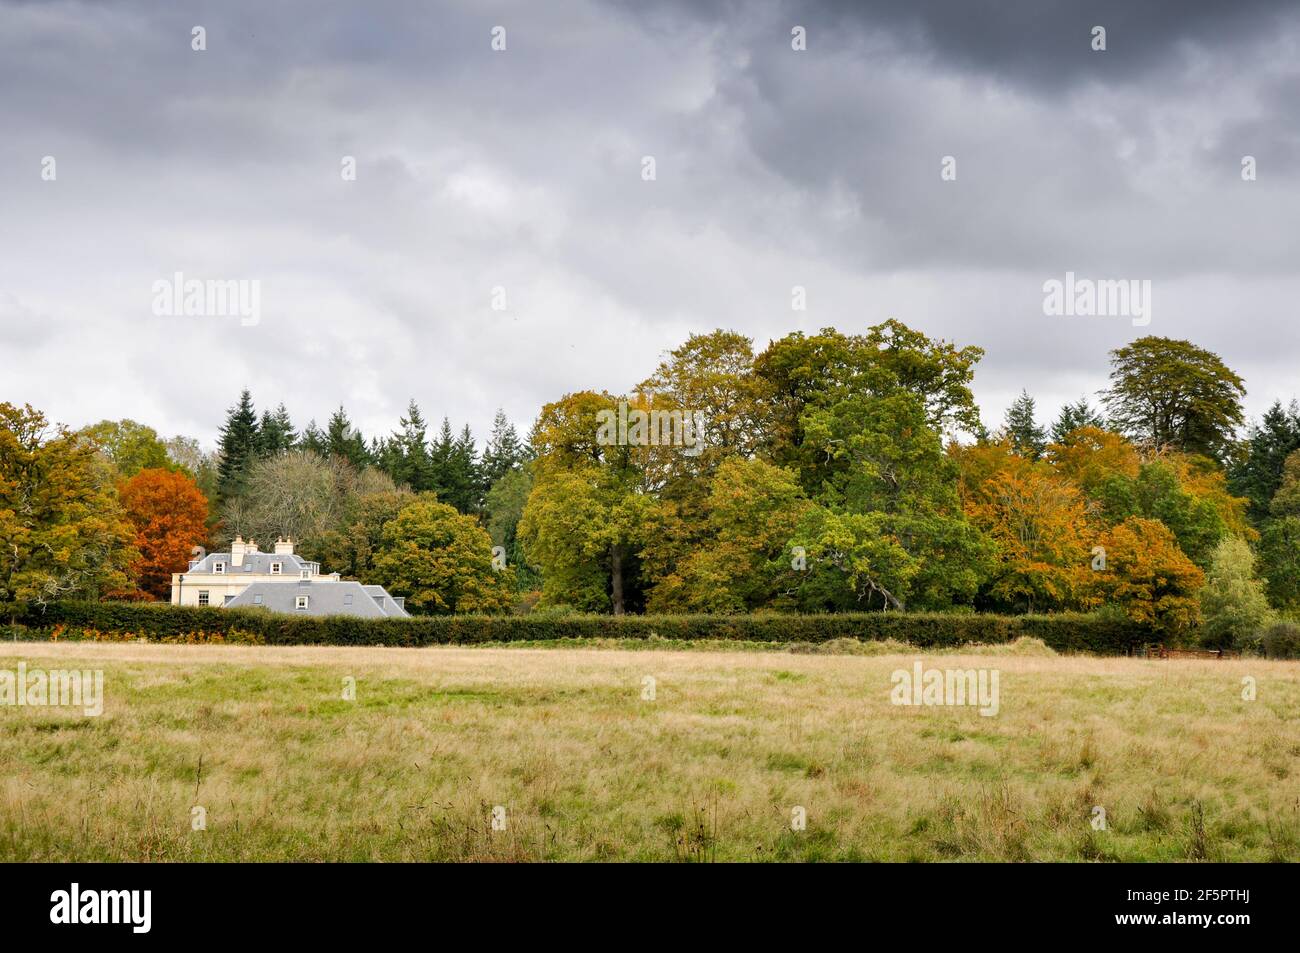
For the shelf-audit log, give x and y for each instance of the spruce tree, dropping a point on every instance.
(1258, 472)
(275, 433)
(1025, 434)
(504, 451)
(313, 441)
(344, 441)
(1074, 416)
(237, 447)
(409, 451)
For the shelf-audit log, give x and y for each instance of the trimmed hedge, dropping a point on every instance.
(1065, 632)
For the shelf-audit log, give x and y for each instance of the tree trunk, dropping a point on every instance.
(616, 577)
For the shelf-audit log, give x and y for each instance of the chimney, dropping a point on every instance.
(237, 551)
(284, 547)
(252, 546)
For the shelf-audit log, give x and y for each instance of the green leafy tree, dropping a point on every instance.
(352, 546)
(1169, 393)
(889, 515)
(1157, 493)
(62, 532)
(504, 506)
(800, 372)
(441, 561)
(587, 517)
(129, 446)
(1286, 501)
(1233, 604)
(1279, 556)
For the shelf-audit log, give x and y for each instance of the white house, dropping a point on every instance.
(280, 581)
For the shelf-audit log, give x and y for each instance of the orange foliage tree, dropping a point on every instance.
(1039, 522)
(169, 514)
(1148, 577)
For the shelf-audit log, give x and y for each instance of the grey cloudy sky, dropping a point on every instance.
(522, 169)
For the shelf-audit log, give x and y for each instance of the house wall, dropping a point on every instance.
(186, 586)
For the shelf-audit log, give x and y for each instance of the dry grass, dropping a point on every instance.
(588, 770)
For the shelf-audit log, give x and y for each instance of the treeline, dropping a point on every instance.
(836, 473)
(448, 464)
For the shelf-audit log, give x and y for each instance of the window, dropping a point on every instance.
(228, 600)
(257, 599)
(203, 597)
(300, 602)
(219, 568)
(275, 568)
(347, 599)
(306, 574)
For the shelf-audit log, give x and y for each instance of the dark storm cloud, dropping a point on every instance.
(522, 170)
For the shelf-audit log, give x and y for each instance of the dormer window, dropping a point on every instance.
(219, 568)
(300, 602)
(347, 599)
(275, 568)
(306, 574)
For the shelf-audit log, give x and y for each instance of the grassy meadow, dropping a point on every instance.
(586, 768)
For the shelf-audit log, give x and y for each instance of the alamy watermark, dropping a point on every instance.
(62, 688)
(950, 686)
(233, 298)
(131, 907)
(651, 428)
(1125, 298)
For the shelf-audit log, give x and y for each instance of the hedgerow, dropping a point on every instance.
(1064, 632)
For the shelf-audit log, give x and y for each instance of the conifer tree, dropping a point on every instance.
(238, 446)
(1029, 439)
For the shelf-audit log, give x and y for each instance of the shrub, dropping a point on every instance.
(1063, 632)
(1281, 640)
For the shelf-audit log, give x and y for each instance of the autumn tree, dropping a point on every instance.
(62, 532)
(1169, 393)
(744, 559)
(441, 561)
(1039, 523)
(1148, 578)
(1092, 456)
(169, 514)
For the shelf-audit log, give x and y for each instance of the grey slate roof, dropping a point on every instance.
(253, 563)
(324, 598)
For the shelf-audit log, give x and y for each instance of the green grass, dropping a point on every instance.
(587, 768)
